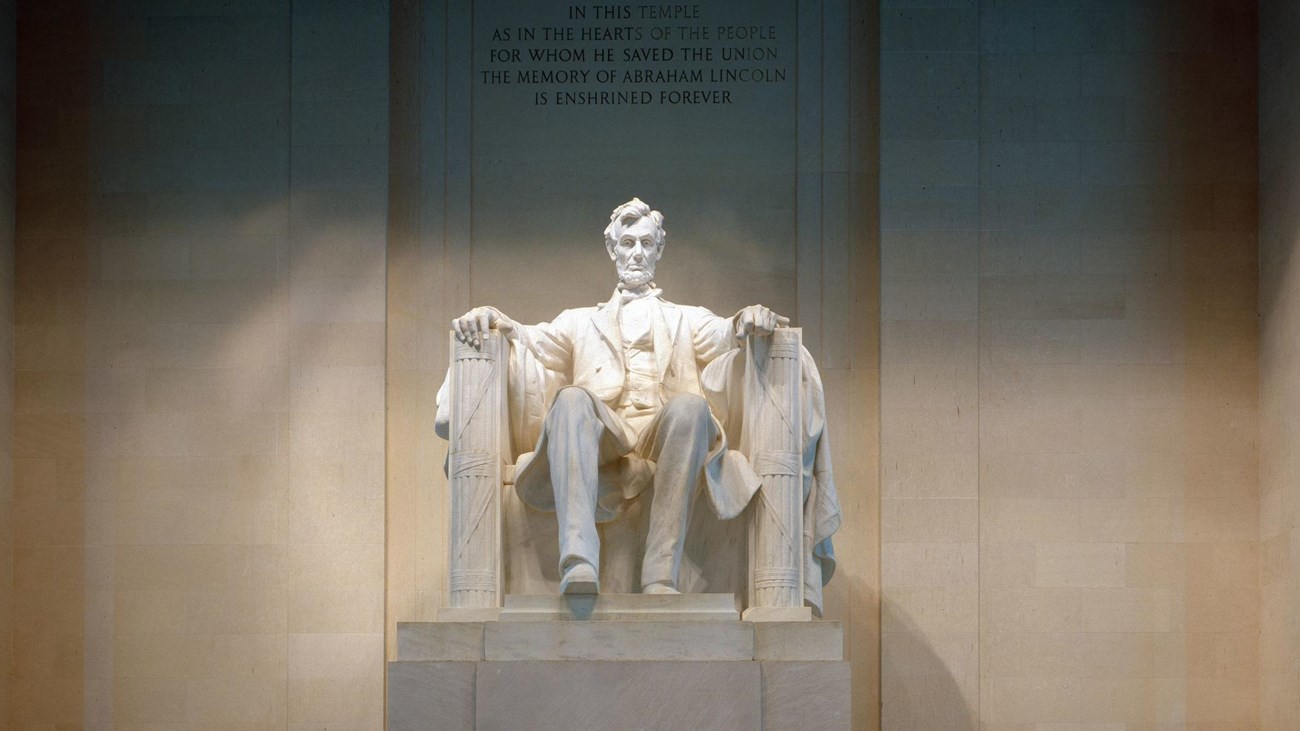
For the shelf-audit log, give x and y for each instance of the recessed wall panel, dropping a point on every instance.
(734, 121)
(586, 106)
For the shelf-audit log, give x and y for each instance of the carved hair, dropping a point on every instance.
(627, 215)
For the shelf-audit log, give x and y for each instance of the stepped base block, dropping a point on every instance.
(468, 614)
(440, 641)
(427, 695)
(778, 614)
(798, 641)
(819, 641)
(499, 676)
(613, 695)
(621, 607)
(801, 696)
(590, 695)
(618, 641)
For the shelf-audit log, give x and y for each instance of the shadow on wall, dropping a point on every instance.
(920, 689)
(1279, 179)
(242, 333)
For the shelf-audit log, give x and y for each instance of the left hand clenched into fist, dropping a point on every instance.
(758, 320)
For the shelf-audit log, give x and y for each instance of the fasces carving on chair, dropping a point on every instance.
(639, 394)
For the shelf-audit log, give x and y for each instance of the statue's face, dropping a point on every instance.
(636, 252)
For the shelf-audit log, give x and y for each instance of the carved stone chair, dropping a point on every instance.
(481, 473)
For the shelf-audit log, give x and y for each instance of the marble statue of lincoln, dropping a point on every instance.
(633, 408)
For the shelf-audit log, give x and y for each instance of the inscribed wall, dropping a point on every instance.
(198, 503)
(500, 199)
(1279, 304)
(1069, 402)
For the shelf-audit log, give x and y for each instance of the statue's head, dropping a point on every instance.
(635, 241)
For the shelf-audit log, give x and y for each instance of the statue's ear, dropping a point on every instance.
(609, 247)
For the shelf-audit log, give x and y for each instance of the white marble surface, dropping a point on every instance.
(468, 614)
(431, 695)
(444, 641)
(806, 696)
(667, 696)
(777, 614)
(664, 675)
(627, 639)
(801, 641)
(618, 641)
(621, 608)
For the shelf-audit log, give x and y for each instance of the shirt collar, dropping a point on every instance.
(624, 296)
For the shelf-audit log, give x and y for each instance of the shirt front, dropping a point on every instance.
(640, 401)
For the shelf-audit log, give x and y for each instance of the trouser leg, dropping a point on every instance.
(679, 444)
(573, 448)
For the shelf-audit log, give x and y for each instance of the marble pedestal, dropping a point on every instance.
(650, 669)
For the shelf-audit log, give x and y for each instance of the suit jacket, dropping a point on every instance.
(586, 345)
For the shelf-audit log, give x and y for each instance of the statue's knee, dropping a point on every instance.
(571, 403)
(687, 406)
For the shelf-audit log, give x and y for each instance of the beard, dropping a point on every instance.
(636, 277)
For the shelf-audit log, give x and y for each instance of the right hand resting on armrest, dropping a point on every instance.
(471, 326)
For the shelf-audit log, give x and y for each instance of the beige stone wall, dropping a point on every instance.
(336, 268)
(1077, 521)
(1279, 303)
(8, 79)
(47, 682)
(199, 372)
(419, 290)
(1069, 404)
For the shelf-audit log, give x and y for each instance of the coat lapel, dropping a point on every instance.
(605, 318)
(670, 320)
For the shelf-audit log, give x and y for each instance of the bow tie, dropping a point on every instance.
(625, 296)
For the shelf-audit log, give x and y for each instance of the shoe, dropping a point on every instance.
(580, 578)
(659, 587)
